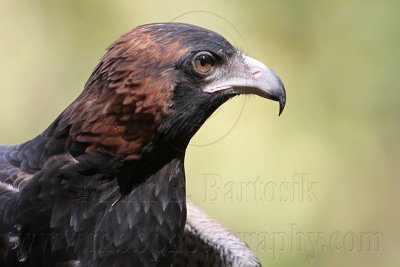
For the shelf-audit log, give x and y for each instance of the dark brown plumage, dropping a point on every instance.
(104, 185)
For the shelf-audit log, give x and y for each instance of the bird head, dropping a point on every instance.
(158, 84)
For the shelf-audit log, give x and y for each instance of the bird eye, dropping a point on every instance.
(203, 62)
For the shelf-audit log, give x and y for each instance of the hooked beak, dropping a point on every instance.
(258, 79)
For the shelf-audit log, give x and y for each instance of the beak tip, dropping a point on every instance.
(280, 94)
(281, 106)
(282, 101)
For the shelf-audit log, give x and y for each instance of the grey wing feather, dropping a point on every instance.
(8, 196)
(208, 243)
(8, 192)
(12, 179)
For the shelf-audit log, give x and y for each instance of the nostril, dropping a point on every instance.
(256, 72)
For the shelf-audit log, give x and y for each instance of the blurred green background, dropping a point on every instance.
(317, 186)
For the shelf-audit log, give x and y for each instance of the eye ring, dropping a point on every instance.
(203, 62)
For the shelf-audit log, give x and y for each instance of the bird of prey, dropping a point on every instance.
(104, 184)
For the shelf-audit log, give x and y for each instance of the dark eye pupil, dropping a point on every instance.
(205, 60)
